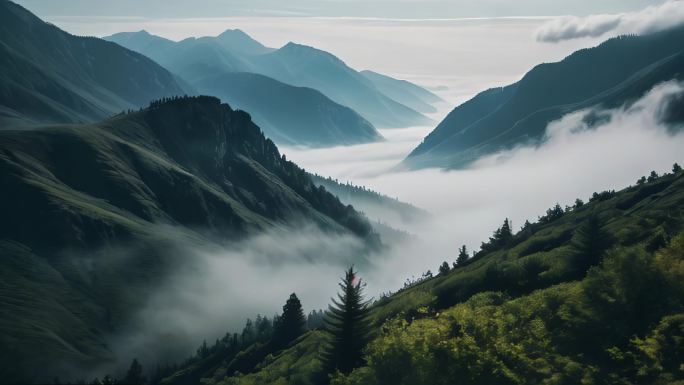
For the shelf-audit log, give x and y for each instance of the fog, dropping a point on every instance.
(520, 184)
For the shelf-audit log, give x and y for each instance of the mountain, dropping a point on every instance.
(95, 215)
(240, 42)
(48, 75)
(289, 115)
(293, 64)
(404, 92)
(616, 72)
(306, 66)
(191, 58)
(591, 294)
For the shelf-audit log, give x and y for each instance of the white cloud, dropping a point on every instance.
(650, 19)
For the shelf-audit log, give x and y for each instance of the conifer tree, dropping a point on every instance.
(347, 323)
(676, 168)
(135, 376)
(506, 233)
(589, 244)
(444, 268)
(462, 256)
(653, 176)
(291, 324)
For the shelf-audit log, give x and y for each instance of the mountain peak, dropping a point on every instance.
(239, 41)
(234, 33)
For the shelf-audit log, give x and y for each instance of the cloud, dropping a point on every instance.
(650, 19)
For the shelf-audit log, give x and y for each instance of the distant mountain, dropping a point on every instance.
(240, 42)
(404, 92)
(306, 66)
(84, 207)
(290, 115)
(294, 64)
(191, 58)
(48, 75)
(616, 72)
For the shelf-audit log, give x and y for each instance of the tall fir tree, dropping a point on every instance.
(588, 244)
(347, 323)
(291, 324)
(462, 256)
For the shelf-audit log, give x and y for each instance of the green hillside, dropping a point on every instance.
(48, 75)
(95, 215)
(591, 294)
(616, 72)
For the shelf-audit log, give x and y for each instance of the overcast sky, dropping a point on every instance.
(355, 8)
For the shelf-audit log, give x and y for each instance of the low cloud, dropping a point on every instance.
(648, 20)
(588, 151)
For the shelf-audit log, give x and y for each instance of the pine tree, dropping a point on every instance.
(676, 168)
(348, 325)
(589, 244)
(505, 233)
(653, 176)
(291, 324)
(135, 376)
(462, 256)
(444, 268)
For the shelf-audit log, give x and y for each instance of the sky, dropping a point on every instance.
(335, 8)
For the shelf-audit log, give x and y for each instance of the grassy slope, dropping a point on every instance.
(508, 303)
(86, 208)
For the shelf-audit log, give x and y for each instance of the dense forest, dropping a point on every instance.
(591, 293)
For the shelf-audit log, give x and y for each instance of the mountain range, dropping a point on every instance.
(610, 75)
(205, 62)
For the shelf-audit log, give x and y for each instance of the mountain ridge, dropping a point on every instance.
(51, 76)
(501, 118)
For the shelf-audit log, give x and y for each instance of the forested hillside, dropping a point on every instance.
(592, 293)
